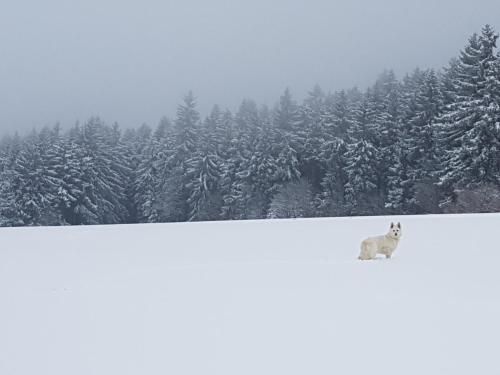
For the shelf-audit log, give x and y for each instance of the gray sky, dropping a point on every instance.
(132, 61)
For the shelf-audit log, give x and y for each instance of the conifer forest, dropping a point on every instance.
(424, 143)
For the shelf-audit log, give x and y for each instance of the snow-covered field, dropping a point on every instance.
(268, 297)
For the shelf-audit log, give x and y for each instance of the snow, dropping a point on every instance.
(251, 297)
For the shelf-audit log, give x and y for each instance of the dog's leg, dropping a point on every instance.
(362, 254)
(372, 251)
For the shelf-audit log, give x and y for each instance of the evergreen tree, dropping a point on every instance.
(94, 183)
(469, 129)
(362, 193)
(311, 136)
(34, 183)
(340, 116)
(205, 198)
(10, 148)
(292, 200)
(423, 103)
(177, 181)
(148, 183)
(332, 197)
(186, 125)
(286, 113)
(204, 170)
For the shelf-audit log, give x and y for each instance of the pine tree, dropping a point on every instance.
(186, 125)
(311, 136)
(286, 159)
(176, 191)
(286, 113)
(34, 183)
(204, 170)
(469, 128)
(382, 126)
(94, 183)
(285, 139)
(232, 185)
(240, 192)
(332, 197)
(421, 124)
(205, 198)
(339, 122)
(423, 104)
(362, 193)
(292, 200)
(147, 183)
(258, 175)
(9, 150)
(340, 116)
(164, 129)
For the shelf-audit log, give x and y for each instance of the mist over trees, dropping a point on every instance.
(426, 143)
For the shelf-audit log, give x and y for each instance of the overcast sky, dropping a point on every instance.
(132, 61)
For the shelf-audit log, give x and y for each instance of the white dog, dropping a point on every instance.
(384, 245)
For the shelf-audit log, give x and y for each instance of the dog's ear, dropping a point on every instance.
(399, 225)
(392, 225)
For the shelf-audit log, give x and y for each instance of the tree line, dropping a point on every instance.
(426, 143)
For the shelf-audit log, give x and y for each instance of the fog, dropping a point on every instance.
(132, 61)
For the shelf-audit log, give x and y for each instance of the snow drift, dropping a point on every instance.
(254, 297)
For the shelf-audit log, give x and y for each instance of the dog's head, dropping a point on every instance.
(395, 231)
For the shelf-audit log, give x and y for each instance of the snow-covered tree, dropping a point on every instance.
(94, 176)
(186, 125)
(294, 199)
(362, 193)
(469, 128)
(286, 113)
(331, 199)
(311, 135)
(177, 180)
(204, 169)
